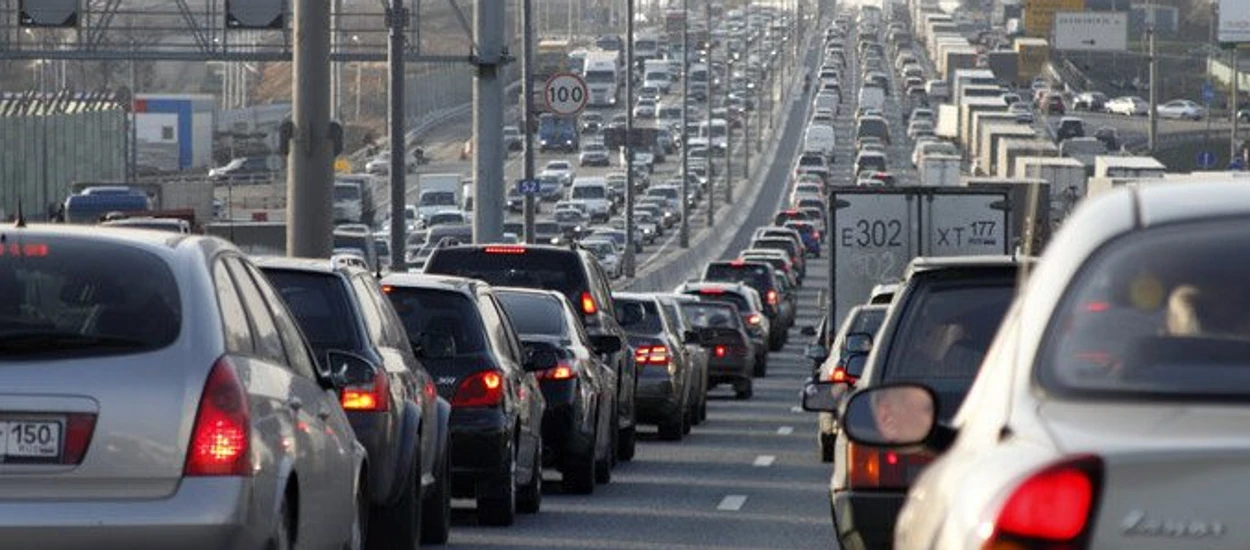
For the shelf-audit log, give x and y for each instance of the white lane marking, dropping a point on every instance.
(796, 409)
(785, 430)
(732, 503)
(764, 461)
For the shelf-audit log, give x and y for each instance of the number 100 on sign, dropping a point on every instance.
(565, 94)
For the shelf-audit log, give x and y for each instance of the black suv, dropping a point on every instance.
(390, 399)
(572, 271)
(665, 380)
(763, 278)
(462, 333)
(939, 326)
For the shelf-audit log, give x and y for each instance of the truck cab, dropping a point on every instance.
(557, 133)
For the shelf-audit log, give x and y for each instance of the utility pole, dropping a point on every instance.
(396, 16)
(310, 210)
(685, 107)
(630, 268)
(1235, 69)
(711, 179)
(1154, 91)
(729, 134)
(336, 67)
(527, 114)
(488, 206)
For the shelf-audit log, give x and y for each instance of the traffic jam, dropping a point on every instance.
(166, 390)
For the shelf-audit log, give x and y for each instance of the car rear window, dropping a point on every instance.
(534, 313)
(867, 321)
(525, 267)
(759, 277)
(783, 217)
(1164, 312)
(651, 322)
(320, 303)
(77, 297)
(944, 332)
(431, 311)
(713, 295)
(775, 244)
(711, 315)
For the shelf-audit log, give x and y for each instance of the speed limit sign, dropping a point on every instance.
(565, 94)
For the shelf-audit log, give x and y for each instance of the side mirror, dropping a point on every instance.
(894, 415)
(816, 352)
(855, 364)
(630, 313)
(822, 396)
(859, 342)
(606, 344)
(435, 345)
(808, 330)
(348, 369)
(540, 357)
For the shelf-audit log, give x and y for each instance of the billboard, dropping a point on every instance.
(1039, 15)
(1091, 31)
(1234, 21)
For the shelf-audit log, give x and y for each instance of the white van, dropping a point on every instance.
(871, 97)
(827, 100)
(593, 192)
(820, 139)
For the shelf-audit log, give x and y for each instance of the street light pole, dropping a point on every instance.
(629, 146)
(1154, 91)
(527, 116)
(711, 180)
(685, 106)
(729, 174)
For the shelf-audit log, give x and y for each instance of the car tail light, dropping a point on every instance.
(562, 371)
(754, 319)
(772, 297)
(1052, 508)
(505, 250)
(589, 307)
(480, 389)
(655, 356)
(876, 468)
(719, 351)
(78, 430)
(711, 291)
(372, 397)
(222, 432)
(738, 263)
(839, 375)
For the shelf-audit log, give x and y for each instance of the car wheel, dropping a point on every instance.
(530, 496)
(672, 429)
(283, 536)
(826, 442)
(744, 389)
(761, 366)
(500, 510)
(603, 466)
(401, 524)
(436, 510)
(579, 472)
(359, 535)
(626, 443)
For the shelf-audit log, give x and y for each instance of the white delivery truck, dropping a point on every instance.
(1110, 166)
(438, 192)
(656, 72)
(603, 78)
(820, 139)
(871, 97)
(940, 170)
(877, 231)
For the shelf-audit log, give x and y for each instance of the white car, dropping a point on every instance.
(594, 154)
(1110, 406)
(645, 108)
(606, 252)
(561, 169)
(1181, 108)
(1128, 106)
(381, 164)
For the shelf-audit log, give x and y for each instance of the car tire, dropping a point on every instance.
(775, 343)
(529, 498)
(579, 473)
(761, 366)
(626, 443)
(744, 389)
(826, 442)
(673, 429)
(500, 511)
(400, 524)
(283, 537)
(436, 510)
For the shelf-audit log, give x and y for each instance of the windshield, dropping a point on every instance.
(589, 192)
(651, 321)
(1165, 311)
(601, 77)
(733, 298)
(446, 217)
(534, 314)
(438, 198)
(546, 228)
(346, 192)
(77, 297)
(556, 166)
(320, 303)
(451, 314)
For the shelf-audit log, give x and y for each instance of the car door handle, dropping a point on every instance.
(295, 404)
(323, 414)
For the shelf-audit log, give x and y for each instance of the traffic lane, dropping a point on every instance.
(746, 479)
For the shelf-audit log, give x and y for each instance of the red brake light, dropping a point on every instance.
(839, 375)
(719, 351)
(220, 439)
(33, 250)
(588, 304)
(873, 468)
(78, 430)
(481, 389)
(505, 250)
(1053, 505)
(387, 289)
(562, 371)
(772, 297)
(754, 319)
(712, 291)
(1097, 307)
(656, 356)
(373, 397)
(738, 263)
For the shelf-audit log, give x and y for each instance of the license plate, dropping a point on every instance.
(26, 440)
